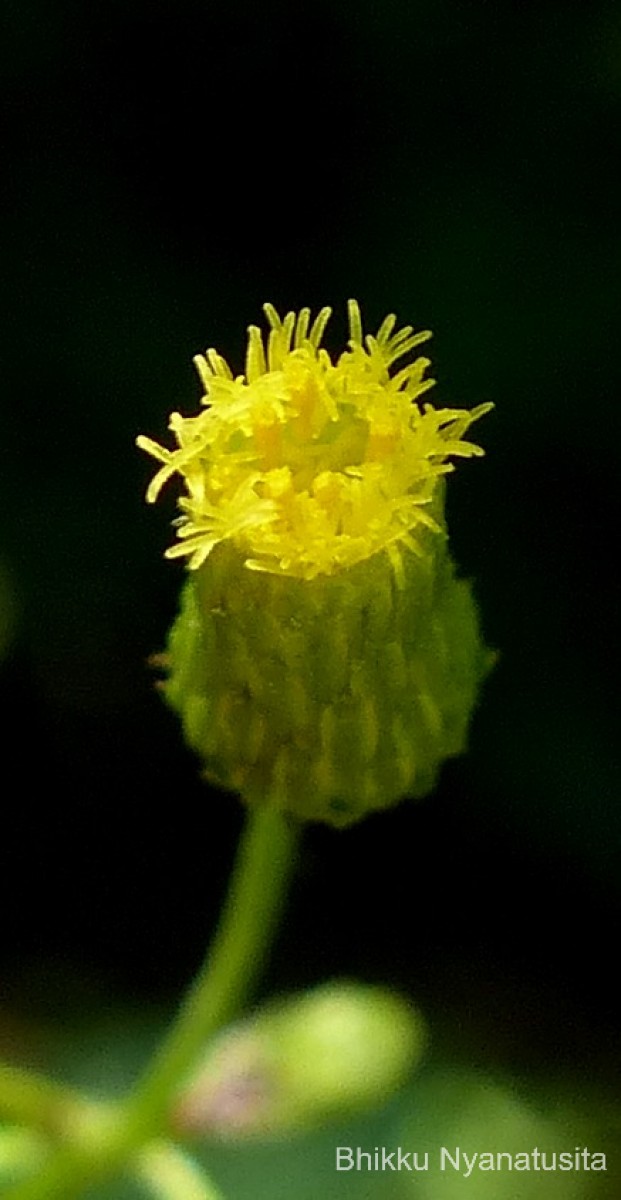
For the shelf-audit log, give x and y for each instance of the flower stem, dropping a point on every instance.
(249, 918)
(251, 911)
(170, 1174)
(20, 1148)
(27, 1098)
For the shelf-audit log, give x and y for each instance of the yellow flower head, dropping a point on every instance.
(306, 465)
(336, 674)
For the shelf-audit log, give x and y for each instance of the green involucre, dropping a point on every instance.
(327, 698)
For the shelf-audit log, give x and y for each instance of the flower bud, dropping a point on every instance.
(326, 658)
(327, 1054)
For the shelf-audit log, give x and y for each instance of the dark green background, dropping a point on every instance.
(167, 169)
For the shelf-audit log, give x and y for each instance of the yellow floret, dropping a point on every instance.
(307, 465)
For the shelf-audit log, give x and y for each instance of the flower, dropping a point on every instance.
(308, 465)
(326, 659)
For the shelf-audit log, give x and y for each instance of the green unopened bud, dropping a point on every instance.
(326, 659)
(332, 1052)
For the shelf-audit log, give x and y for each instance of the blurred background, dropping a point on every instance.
(167, 169)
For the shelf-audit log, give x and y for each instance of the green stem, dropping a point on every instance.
(19, 1149)
(27, 1098)
(172, 1175)
(249, 918)
(254, 903)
